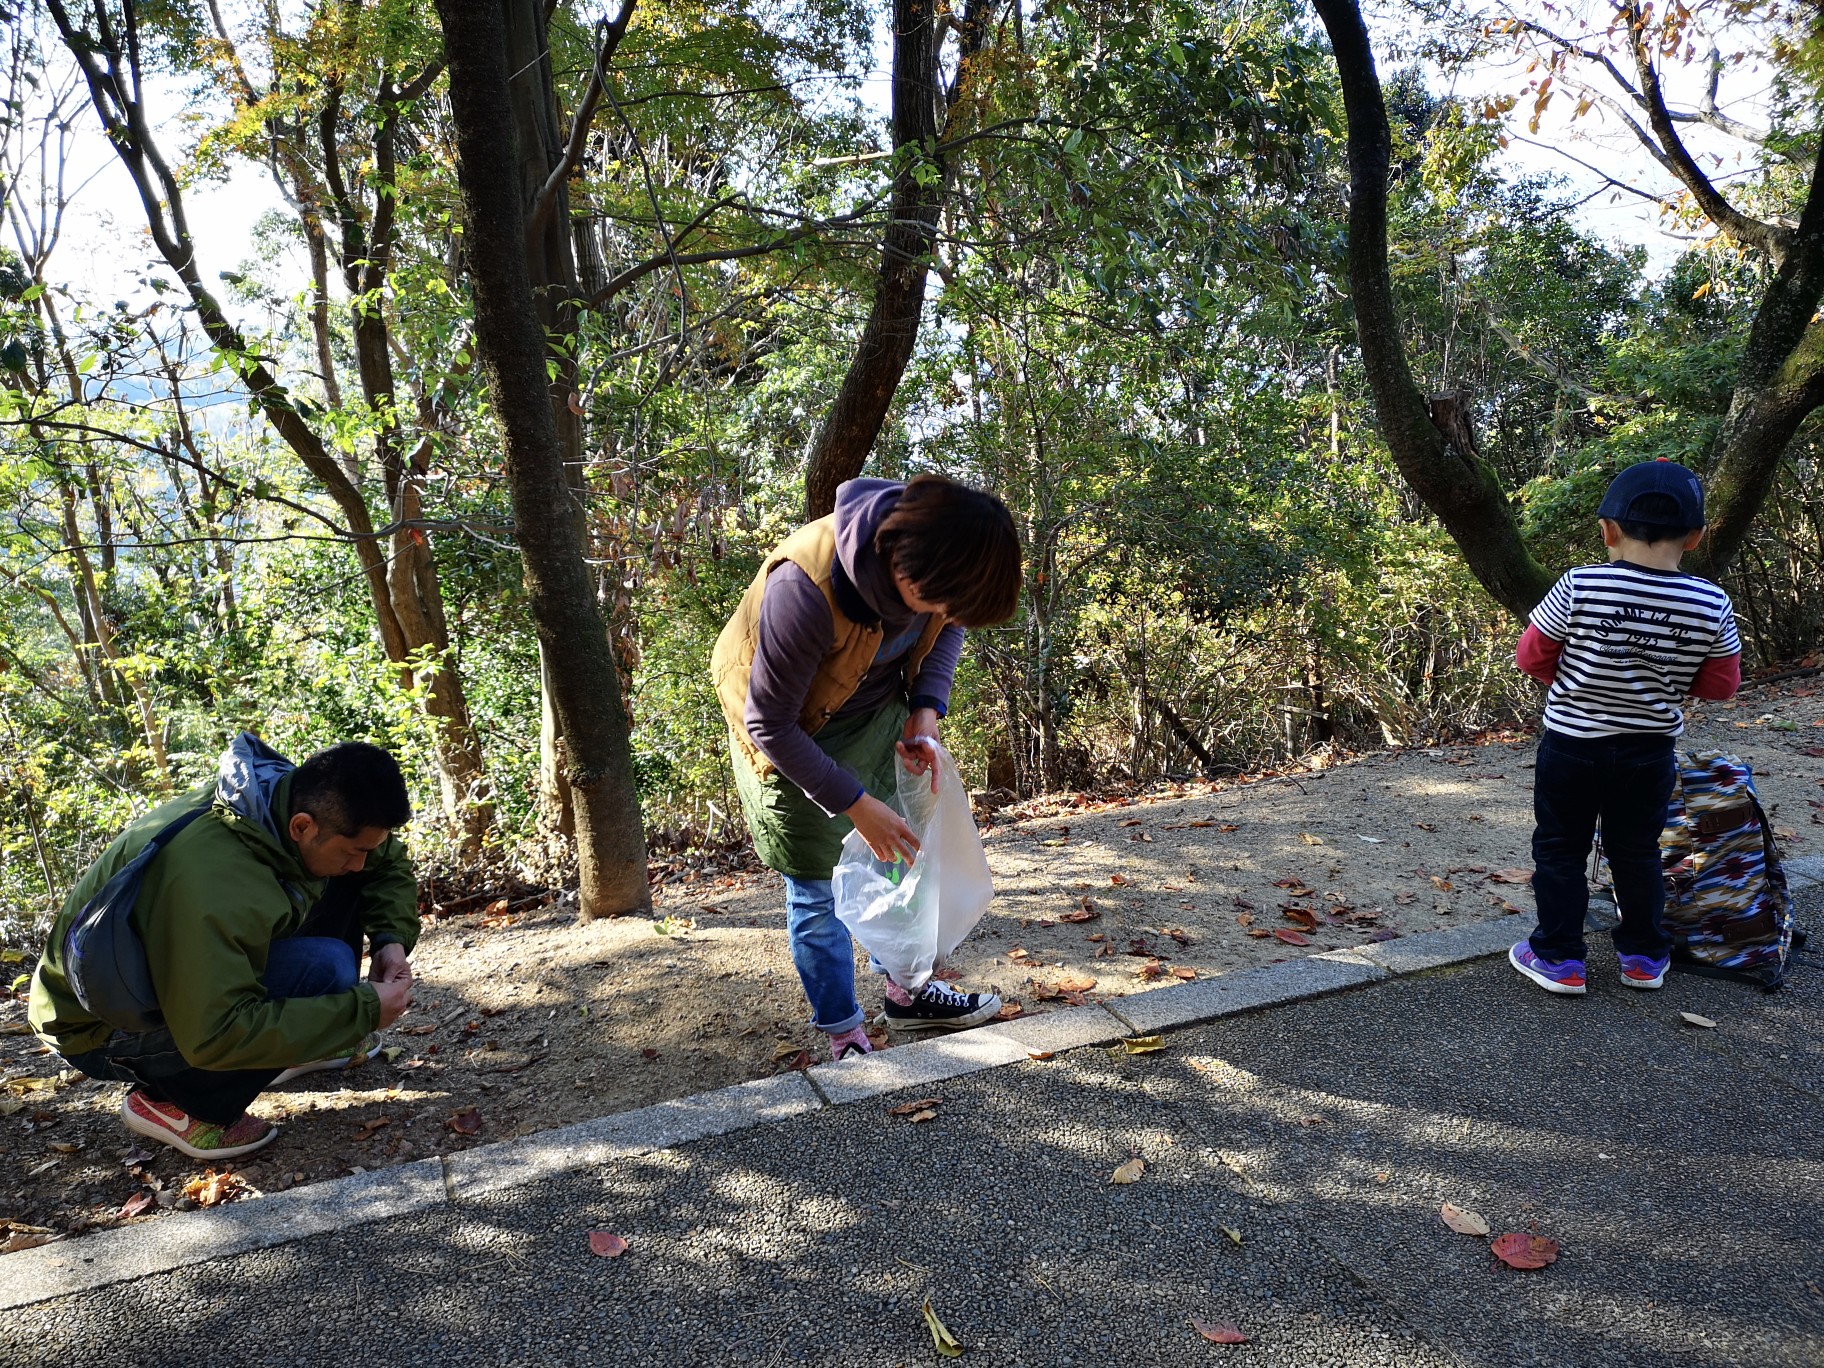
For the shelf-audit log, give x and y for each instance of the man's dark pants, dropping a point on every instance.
(324, 957)
(1625, 782)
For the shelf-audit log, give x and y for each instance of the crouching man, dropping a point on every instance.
(253, 918)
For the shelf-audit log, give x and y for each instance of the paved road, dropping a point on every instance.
(1682, 1171)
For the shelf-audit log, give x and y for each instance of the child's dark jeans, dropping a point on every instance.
(1626, 782)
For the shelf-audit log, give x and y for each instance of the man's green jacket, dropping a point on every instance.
(212, 902)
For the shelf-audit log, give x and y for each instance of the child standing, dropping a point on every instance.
(1621, 645)
(835, 668)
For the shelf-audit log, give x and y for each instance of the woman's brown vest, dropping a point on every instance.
(813, 550)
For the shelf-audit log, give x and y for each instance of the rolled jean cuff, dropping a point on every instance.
(849, 1025)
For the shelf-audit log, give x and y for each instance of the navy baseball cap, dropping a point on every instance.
(1655, 477)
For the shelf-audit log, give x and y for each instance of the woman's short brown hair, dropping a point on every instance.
(958, 546)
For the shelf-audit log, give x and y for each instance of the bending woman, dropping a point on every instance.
(837, 664)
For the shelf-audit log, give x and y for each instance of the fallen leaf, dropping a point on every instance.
(1405, 899)
(1010, 1010)
(24, 1239)
(1134, 821)
(465, 1122)
(1309, 839)
(1143, 1044)
(1087, 912)
(1117, 879)
(1257, 933)
(649, 1053)
(1425, 826)
(66, 1146)
(1151, 970)
(911, 1108)
(1076, 984)
(1129, 1172)
(1462, 1220)
(213, 1188)
(1295, 887)
(1292, 937)
(942, 1340)
(606, 1244)
(1231, 1232)
(1041, 1054)
(1372, 840)
(1697, 1020)
(135, 1204)
(391, 1053)
(1513, 876)
(1183, 971)
(919, 1117)
(1525, 1251)
(1244, 918)
(369, 1127)
(1300, 916)
(1311, 1120)
(1442, 885)
(1219, 1332)
(424, 1028)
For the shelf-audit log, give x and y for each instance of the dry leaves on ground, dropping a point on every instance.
(1129, 1172)
(1462, 1220)
(1525, 1251)
(213, 1188)
(942, 1340)
(1695, 1020)
(606, 1244)
(1218, 1332)
(465, 1122)
(924, 1109)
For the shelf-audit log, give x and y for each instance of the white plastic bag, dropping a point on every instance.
(911, 918)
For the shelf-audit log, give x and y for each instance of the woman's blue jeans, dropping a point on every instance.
(822, 953)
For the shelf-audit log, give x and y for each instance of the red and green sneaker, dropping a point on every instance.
(164, 1123)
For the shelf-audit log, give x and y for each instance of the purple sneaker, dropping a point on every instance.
(1555, 976)
(1643, 971)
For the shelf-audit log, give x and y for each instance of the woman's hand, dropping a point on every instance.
(916, 742)
(883, 829)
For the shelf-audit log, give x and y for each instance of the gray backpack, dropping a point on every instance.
(103, 956)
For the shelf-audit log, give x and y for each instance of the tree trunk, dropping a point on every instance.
(1454, 482)
(885, 345)
(586, 695)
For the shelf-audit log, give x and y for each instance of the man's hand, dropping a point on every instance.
(395, 997)
(915, 744)
(883, 829)
(389, 963)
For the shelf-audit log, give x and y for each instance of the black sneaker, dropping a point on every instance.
(939, 1007)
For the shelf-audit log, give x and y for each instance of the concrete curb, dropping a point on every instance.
(182, 1239)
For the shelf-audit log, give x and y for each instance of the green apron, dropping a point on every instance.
(791, 833)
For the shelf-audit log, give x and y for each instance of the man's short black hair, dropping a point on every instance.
(1655, 519)
(350, 788)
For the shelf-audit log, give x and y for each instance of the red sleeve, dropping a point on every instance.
(1537, 654)
(1718, 678)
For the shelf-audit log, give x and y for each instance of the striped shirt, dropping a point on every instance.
(1634, 640)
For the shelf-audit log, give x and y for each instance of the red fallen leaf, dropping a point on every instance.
(1117, 879)
(1513, 876)
(1300, 916)
(1182, 937)
(1292, 938)
(1150, 971)
(606, 1244)
(798, 1063)
(1295, 887)
(1525, 1251)
(135, 1204)
(465, 1122)
(649, 1053)
(495, 908)
(1219, 1332)
(1816, 752)
(1087, 912)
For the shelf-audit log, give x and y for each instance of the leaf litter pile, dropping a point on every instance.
(525, 1020)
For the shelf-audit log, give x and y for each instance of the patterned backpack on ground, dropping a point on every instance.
(1728, 909)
